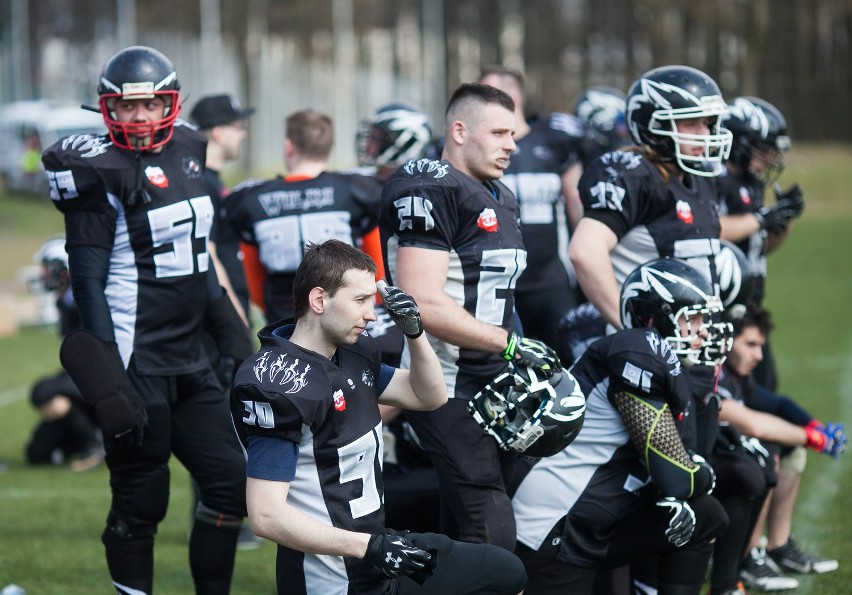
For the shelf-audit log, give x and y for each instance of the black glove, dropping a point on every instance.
(394, 555)
(681, 523)
(529, 352)
(788, 206)
(402, 309)
(231, 335)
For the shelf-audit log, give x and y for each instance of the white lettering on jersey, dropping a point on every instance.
(62, 186)
(86, 144)
(281, 201)
(357, 462)
(637, 377)
(608, 196)
(281, 240)
(626, 159)
(499, 271)
(259, 413)
(409, 207)
(426, 165)
(178, 224)
(536, 193)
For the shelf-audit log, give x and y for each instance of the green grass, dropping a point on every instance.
(51, 518)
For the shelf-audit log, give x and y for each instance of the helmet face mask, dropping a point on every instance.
(669, 295)
(760, 137)
(530, 414)
(667, 95)
(139, 73)
(395, 134)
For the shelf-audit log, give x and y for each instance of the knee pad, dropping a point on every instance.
(219, 520)
(127, 528)
(795, 461)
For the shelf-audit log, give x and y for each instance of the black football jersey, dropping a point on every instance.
(281, 217)
(534, 176)
(745, 195)
(156, 289)
(596, 479)
(430, 204)
(650, 217)
(331, 411)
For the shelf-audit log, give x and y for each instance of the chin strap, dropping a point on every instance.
(138, 193)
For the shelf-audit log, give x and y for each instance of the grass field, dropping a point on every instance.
(51, 518)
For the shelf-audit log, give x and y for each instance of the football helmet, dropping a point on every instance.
(139, 72)
(663, 96)
(601, 109)
(395, 134)
(54, 263)
(757, 125)
(736, 280)
(664, 294)
(528, 413)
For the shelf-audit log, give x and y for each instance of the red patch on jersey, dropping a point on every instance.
(745, 197)
(157, 176)
(487, 220)
(339, 401)
(684, 212)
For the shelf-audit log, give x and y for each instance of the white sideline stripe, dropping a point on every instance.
(13, 395)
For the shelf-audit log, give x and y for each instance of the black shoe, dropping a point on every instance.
(755, 572)
(790, 557)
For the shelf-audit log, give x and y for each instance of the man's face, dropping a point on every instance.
(230, 137)
(694, 328)
(747, 351)
(140, 111)
(486, 142)
(350, 309)
(696, 126)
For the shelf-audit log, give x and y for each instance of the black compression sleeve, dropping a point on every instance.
(89, 266)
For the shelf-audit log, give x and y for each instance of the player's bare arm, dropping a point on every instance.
(590, 248)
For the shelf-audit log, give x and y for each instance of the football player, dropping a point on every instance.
(626, 489)
(137, 220)
(307, 409)
(277, 218)
(543, 174)
(454, 243)
(601, 110)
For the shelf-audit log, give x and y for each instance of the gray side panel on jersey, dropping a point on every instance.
(555, 483)
(122, 287)
(635, 248)
(323, 574)
(537, 193)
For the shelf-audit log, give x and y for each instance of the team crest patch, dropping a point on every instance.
(684, 212)
(487, 220)
(367, 377)
(745, 197)
(157, 176)
(339, 400)
(191, 167)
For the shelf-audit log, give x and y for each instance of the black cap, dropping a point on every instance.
(217, 110)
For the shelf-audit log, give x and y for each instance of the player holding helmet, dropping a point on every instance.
(137, 219)
(626, 489)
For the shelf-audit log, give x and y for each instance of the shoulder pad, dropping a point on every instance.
(567, 123)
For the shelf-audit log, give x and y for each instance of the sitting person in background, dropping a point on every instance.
(67, 430)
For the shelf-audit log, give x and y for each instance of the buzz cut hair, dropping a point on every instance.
(468, 93)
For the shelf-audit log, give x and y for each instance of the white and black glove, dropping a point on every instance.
(530, 352)
(402, 309)
(394, 555)
(681, 523)
(708, 470)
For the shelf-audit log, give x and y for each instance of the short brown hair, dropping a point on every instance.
(311, 132)
(479, 93)
(324, 266)
(754, 316)
(502, 71)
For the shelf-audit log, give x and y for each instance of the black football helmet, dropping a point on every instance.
(601, 109)
(528, 413)
(139, 72)
(736, 280)
(54, 264)
(395, 134)
(664, 294)
(757, 125)
(663, 96)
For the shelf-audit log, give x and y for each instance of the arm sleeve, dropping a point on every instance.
(89, 267)
(273, 459)
(763, 399)
(654, 434)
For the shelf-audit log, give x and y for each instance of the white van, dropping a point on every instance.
(29, 127)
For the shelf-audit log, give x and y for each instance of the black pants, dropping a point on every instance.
(472, 473)
(466, 568)
(541, 311)
(638, 537)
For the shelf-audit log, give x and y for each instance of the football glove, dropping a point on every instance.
(791, 201)
(394, 555)
(829, 439)
(530, 352)
(681, 523)
(402, 308)
(708, 470)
